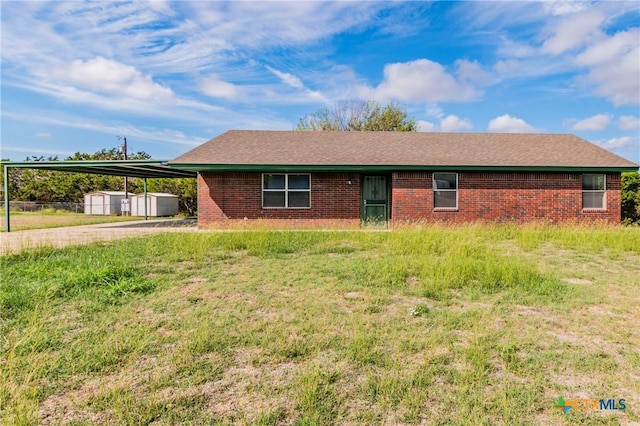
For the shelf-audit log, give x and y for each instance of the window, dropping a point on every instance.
(593, 187)
(445, 190)
(286, 191)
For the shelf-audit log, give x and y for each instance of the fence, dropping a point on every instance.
(33, 206)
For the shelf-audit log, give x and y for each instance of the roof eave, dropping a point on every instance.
(130, 168)
(388, 168)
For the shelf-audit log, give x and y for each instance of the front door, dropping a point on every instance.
(374, 200)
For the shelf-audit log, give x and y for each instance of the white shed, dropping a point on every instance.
(104, 202)
(158, 204)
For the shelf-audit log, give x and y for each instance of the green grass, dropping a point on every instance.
(53, 218)
(460, 325)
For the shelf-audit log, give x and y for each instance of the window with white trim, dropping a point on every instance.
(286, 191)
(445, 190)
(593, 191)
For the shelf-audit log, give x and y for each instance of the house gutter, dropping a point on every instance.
(390, 168)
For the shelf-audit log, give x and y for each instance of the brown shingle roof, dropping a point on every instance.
(300, 148)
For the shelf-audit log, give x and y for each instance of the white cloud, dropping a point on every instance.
(108, 127)
(169, 41)
(563, 7)
(170, 36)
(110, 102)
(214, 87)
(300, 94)
(619, 143)
(426, 126)
(597, 122)
(608, 49)
(421, 80)
(514, 49)
(260, 24)
(43, 135)
(573, 32)
(508, 124)
(508, 67)
(471, 72)
(610, 59)
(288, 79)
(614, 67)
(499, 16)
(210, 118)
(592, 47)
(434, 110)
(111, 77)
(452, 123)
(628, 122)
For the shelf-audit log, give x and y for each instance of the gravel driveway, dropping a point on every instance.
(16, 241)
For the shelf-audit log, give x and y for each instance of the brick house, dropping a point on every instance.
(349, 178)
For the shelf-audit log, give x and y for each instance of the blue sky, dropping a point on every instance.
(171, 75)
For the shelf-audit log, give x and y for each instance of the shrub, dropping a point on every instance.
(631, 197)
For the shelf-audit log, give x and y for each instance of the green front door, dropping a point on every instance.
(374, 200)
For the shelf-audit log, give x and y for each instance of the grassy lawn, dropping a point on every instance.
(50, 218)
(461, 325)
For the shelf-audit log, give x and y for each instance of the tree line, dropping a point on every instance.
(49, 186)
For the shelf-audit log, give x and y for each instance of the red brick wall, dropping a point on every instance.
(236, 196)
(497, 197)
(482, 196)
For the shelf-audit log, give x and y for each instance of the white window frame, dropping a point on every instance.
(602, 191)
(435, 189)
(286, 190)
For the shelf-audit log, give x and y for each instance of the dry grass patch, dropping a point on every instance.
(469, 325)
(54, 219)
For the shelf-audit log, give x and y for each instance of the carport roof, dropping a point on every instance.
(130, 168)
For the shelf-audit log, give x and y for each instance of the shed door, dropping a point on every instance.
(374, 200)
(97, 204)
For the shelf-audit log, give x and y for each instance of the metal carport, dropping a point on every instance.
(131, 168)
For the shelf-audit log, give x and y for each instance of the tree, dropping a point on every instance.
(631, 197)
(11, 182)
(35, 184)
(358, 116)
(108, 154)
(78, 184)
(185, 188)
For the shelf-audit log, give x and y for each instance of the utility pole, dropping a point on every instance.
(125, 203)
(123, 147)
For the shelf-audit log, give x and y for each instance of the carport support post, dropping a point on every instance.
(145, 199)
(7, 218)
